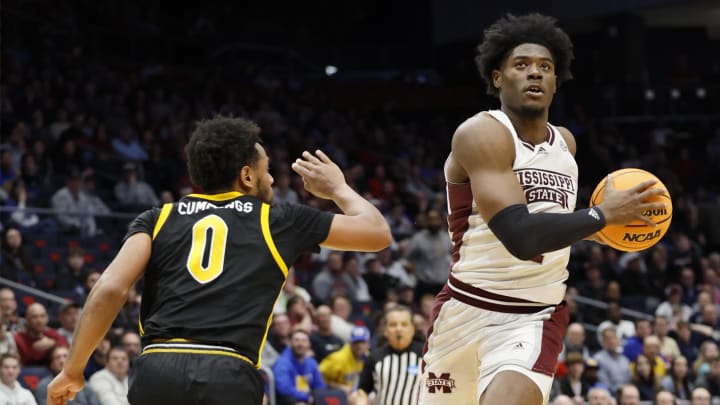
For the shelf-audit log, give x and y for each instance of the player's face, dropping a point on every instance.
(527, 80)
(399, 329)
(264, 179)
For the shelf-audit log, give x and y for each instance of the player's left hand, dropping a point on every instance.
(63, 388)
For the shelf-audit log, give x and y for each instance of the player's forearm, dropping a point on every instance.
(527, 235)
(101, 308)
(354, 205)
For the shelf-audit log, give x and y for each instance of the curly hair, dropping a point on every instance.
(510, 31)
(218, 149)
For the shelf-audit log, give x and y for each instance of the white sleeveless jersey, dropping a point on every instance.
(548, 175)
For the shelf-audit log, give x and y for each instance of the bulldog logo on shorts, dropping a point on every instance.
(442, 382)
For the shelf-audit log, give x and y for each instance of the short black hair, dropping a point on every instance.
(510, 31)
(218, 149)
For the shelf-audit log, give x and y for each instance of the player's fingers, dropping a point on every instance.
(652, 192)
(609, 185)
(310, 157)
(299, 167)
(323, 157)
(644, 185)
(71, 395)
(645, 219)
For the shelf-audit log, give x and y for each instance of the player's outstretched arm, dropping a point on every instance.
(100, 309)
(362, 227)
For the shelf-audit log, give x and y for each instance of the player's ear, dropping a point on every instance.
(496, 78)
(246, 177)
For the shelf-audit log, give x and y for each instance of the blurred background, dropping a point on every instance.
(98, 99)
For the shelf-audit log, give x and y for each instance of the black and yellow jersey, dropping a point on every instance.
(218, 264)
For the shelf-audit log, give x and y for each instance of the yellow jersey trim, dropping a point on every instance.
(199, 351)
(218, 197)
(140, 328)
(164, 214)
(265, 225)
(267, 326)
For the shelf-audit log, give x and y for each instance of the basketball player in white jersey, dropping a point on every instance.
(498, 324)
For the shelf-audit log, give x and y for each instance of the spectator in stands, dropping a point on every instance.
(689, 286)
(628, 394)
(68, 316)
(708, 351)
(283, 190)
(341, 369)
(11, 392)
(290, 289)
(614, 367)
(563, 400)
(351, 267)
(664, 398)
(428, 255)
(322, 340)
(634, 345)
(298, 312)
(678, 380)
(340, 319)
(8, 307)
(625, 329)
(130, 342)
(110, 384)
(700, 396)
(644, 377)
(572, 384)
(574, 341)
(72, 274)
(296, 374)
(132, 193)
(703, 299)
(598, 396)
(279, 334)
(58, 356)
(673, 309)
(74, 208)
(16, 263)
(633, 280)
(37, 340)
(668, 346)
(7, 341)
(127, 147)
(688, 341)
(332, 279)
(711, 380)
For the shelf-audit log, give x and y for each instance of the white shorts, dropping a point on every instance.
(467, 346)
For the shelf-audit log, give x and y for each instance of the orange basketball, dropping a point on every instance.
(636, 235)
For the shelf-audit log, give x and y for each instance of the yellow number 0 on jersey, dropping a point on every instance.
(216, 258)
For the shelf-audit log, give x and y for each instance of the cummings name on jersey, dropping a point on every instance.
(193, 207)
(543, 185)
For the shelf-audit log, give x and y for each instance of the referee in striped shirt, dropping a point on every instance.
(392, 370)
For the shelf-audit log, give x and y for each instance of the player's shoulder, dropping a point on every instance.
(481, 132)
(568, 137)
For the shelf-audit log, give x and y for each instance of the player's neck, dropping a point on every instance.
(532, 129)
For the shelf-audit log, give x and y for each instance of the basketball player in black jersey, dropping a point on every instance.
(214, 265)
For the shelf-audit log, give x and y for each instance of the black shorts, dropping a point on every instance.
(194, 378)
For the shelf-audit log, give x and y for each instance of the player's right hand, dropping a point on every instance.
(621, 207)
(321, 176)
(63, 388)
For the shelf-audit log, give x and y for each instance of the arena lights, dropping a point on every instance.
(649, 94)
(330, 70)
(700, 92)
(674, 94)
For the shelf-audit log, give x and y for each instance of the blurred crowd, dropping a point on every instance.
(86, 146)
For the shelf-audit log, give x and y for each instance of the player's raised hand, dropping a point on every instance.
(321, 176)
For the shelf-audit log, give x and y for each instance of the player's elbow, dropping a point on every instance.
(520, 250)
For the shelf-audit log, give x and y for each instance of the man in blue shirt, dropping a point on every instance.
(296, 374)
